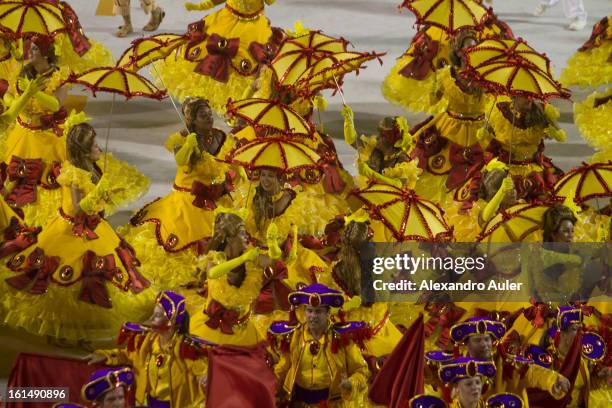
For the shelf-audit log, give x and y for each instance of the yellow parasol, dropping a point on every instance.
(450, 15)
(328, 71)
(520, 222)
(117, 80)
(512, 67)
(406, 215)
(586, 182)
(275, 153)
(297, 55)
(144, 51)
(270, 115)
(29, 17)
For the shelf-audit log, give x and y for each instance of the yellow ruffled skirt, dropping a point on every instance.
(589, 68)
(177, 74)
(58, 312)
(594, 123)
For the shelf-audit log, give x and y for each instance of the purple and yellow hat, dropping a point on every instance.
(465, 367)
(105, 380)
(476, 326)
(173, 305)
(593, 346)
(426, 401)
(539, 355)
(316, 295)
(568, 315)
(505, 400)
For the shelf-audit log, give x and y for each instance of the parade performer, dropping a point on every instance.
(467, 376)
(574, 10)
(80, 280)
(122, 7)
(107, 388)
(224, 56)
(318, 362)
(170, 232)
(169, 365)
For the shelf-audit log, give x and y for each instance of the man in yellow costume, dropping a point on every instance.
(122, 7)
(169, 365)
(514, 373)
(319, 364)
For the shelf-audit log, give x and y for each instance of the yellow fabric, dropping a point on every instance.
(231, 297)
(457, 404)
(386, 338)
(97, 55)
(313, 371)
(590, 68)
(347, 362)
(594, 123)
(177, 73)
(184, 387)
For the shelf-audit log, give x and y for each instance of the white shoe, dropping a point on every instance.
(577, 25)
(541, 9)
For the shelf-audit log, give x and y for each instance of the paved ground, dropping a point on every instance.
(140, 127)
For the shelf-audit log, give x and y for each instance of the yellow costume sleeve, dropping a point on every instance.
(183, 155)
(205, 5)
(222, 269)
(542, 378)
(282, 367)
(98, 198)
(358, 370)
(115, 357)
(492, 206)
(49, 102)
(350, 134)
(366, 171)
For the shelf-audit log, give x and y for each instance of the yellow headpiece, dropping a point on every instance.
(74, 119)
(299, 30)
(358, 216)
(496, 165)
(406, 141)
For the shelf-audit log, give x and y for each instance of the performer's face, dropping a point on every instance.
(565, 232)
(268, 181)
(317, 318)
(158, 320)
(480, 346)
(469, 390)
(203, 120)
(113, 399)
(96, 152)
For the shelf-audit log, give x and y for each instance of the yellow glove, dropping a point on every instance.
(319, 102)
(223, 269)
(187, 149)
(484, 136)
(274, 251)
(555, 133)
(205, 5)
(492, 206)
(96, 199)
(350, 134)
(49, 102)
(367, 172)
(16, 105)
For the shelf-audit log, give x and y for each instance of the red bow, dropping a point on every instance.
(207, 195)
(465, 163)
(79, 41)
(219, 59)
(273, 290)
(26, 173)
(262, 53)
(429, 143)
(443, 315)
(97, 270)
(538, 313)
(36, 274)
(425, 50)
(54, 120)
(220, 317)
(126, 254)
(84, 225)
(17, 237)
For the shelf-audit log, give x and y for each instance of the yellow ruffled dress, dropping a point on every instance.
(594, 121)
(591, 65)
(169, 232)
(223, 300)
(79, 281)
(240, 20)
(458, 126)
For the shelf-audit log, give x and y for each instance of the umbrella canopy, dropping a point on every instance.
(275, 153)
(270, 115)
(449, 15)
(586, 182)
(297, 55)
(31, 17)
(144, 51)
(408, 216)
(512, 67)
(520, 222)
(329, 71)
(117, 80)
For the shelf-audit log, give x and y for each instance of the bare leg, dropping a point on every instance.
(122, 7)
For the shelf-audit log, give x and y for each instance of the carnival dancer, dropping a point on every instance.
(122, 7)
(107, 388)
(223, 57)
(169, 364)
(318, 362)
(170, 232)
(81, 279)
(573, 9)
(514, 373)
(467, 377)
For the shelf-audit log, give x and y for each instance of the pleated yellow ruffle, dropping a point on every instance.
(594, 123)
(97, 56)
(44, 209)
(130, 183)
(591, 226)
(465, 224)
(589, 68)
(165, 270)
(59, 313)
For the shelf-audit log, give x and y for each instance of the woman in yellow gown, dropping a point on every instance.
(226, 51)
(80, 280)
(35, 147)
(170, 232)
(447, 148)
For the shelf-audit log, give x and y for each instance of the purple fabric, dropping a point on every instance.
(310, 396)
(106, 379)
(477, 325)
(316, 295)
(465, 367)
(174, 306)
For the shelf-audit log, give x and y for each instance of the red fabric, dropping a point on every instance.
(599, 32)
(79, 41)
(221, 318)
(206, 195)
(425, 51)
(128, 258)
(36, 370)
(17, 237)
(274, 293)
(25, 173)
(240, 377)
(85, 225)
(401, 376)
(465, 162)
(97, 270)
(218, 62)
(569, 369)
(36, 275)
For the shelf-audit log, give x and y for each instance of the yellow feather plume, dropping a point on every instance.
(495, 164)
(358, 216)
(74, 119)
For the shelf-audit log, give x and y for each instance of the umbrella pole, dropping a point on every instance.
(178, 112)
(108, 130)
(339, 90)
